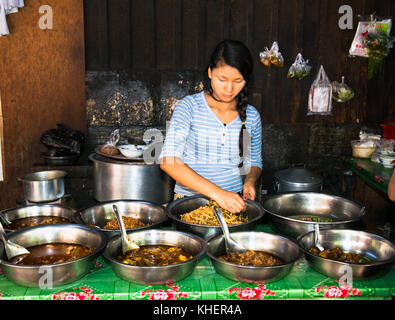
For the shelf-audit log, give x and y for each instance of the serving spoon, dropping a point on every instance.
(127, 243)
(12, 249)
(317, 243)
(230, 244)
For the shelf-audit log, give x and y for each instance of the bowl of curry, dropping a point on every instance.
(363, 255)
(59, 254)
(195, 215)
(164, 256)
(136, 215)
(35, 215)
(268, 257)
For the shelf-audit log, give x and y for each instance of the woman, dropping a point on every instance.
(214, 135)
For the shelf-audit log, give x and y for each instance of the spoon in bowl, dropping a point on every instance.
(230, 244)
(127, 243)
(12, 249)
(317, 243)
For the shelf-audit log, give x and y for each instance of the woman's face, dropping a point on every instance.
(226, 82)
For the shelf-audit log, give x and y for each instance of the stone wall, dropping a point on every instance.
(137, 102)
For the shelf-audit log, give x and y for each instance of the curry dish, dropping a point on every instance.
(154, 255)
(339, 255)
(129, 222)
(51, 253)
(36, 221)
(205, 215)
(252, 258)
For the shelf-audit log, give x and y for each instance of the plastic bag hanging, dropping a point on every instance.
(110, 147)
(320, 96)
(272, 56)
(299, 68)
(341, 92)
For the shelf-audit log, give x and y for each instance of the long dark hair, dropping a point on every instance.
(235, 54)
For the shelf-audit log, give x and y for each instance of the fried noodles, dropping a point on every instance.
(205, 215)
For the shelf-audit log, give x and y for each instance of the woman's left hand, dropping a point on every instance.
(249, 191)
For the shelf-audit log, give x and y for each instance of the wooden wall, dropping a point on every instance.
(42, 83)
(177, 35)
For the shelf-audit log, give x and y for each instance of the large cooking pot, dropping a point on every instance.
(125, 180)
(43, 186)
(297, 179)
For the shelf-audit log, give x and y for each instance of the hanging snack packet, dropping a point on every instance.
(110, 147)
(320, 96)
(272, 56)
(341, 92)
(299, 68)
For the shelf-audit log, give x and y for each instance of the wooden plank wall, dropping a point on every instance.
(42, 83)
(177, 35)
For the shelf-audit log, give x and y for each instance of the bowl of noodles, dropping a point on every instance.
(195, 215)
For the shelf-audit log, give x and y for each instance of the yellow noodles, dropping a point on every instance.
(205, 215)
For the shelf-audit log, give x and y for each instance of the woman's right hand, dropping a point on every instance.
(229, 201)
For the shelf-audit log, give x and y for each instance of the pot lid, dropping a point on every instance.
(298, 175)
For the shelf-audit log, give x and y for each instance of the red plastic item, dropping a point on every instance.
(389, 129)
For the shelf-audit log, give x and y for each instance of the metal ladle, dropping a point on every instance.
(230, 244)
(317, 243)
(127, 243)
(11, 249)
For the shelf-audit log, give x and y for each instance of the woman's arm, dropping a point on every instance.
(184, 175)
(391, 187)
(249, 190)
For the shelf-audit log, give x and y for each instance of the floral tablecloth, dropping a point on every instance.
(373, 173)
(205, 284)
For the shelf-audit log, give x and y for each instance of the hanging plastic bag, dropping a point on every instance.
(110, 147)
(320, 96)
(341, 92)
(359, 45)
(299, 68)
(272, 56)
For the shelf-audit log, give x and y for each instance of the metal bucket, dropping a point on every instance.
(125, 180)
(44, 186)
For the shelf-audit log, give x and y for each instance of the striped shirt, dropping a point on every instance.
(209, 147)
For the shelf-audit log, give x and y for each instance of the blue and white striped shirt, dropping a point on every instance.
(209, 147)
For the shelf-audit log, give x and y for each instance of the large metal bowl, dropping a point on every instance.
(158, 274)
(372, 246)
(344, 213)
(10, 215)
(98, 215)
(254, 212)
(280, 246)
(47, 276)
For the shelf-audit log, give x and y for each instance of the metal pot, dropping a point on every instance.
(43, 186)
(125, 180)
(297, 179)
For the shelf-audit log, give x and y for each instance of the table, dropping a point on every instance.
(205, 284)
(373, 173)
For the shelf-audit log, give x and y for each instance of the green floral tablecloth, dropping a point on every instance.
(373, 173)
(205, 284)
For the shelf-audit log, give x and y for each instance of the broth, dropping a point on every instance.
(36, 221)
(51, 253)
(155, 255)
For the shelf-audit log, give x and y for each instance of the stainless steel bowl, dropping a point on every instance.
(159, 274)
(280, 207)
(280, 246)
(10, 215)
(47, 276)
(98, 215)
(254, 212)
(374, 247)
